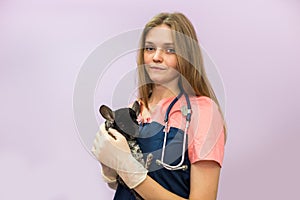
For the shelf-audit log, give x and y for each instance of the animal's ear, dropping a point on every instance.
(136, 108)
(107, 113)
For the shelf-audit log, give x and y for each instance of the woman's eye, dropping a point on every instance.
(150, 49)
(170, 50)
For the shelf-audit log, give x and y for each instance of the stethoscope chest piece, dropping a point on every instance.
(184, 110)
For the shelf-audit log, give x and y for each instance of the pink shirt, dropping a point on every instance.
(206, 131)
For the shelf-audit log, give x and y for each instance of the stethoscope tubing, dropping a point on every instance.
(188, 119)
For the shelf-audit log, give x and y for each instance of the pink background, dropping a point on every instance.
(255, 45)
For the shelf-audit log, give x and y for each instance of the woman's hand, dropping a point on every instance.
(114, 152)
(108, 142)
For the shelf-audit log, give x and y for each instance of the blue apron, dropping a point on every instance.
(151, 141)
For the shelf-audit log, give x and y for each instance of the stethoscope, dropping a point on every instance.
(187, 112)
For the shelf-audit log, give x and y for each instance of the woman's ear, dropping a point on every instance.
(136, 108)
(107, 113)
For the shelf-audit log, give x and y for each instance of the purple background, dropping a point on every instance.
(255, 45)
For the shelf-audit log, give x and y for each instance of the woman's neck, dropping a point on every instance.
(160, 92)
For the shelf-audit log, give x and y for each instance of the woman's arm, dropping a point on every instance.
(149, 189)
(204, 184)
(204, 180)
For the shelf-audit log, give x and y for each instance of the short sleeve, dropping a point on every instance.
(206, 132)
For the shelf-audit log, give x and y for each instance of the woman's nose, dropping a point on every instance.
(157, 56)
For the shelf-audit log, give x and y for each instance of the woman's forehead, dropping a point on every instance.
(160, 35)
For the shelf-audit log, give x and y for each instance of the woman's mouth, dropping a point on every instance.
(157, 68)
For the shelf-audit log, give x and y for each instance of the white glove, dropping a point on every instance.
(115, 153)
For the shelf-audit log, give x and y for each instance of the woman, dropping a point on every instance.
(170, 72)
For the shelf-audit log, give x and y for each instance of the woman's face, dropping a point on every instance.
(160, 56)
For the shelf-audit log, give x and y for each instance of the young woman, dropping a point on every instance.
(181, 124)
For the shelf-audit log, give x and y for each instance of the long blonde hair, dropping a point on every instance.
(188, 53)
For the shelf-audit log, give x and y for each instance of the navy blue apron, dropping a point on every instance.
(151, 141)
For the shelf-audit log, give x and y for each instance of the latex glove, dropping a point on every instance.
(115, 153)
